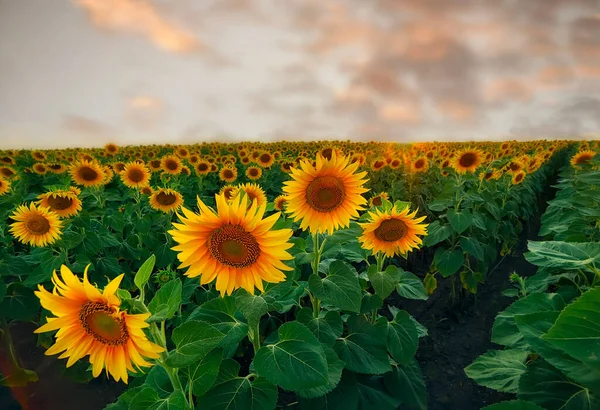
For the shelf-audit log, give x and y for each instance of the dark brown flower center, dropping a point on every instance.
(37, 225)
(514, 166)
(203, 167)
(420, 163)
(98, 321)
(88, 174)
(136, 175)
(265, 158)
(325, 193)
(165, 198)
(467, 160)
(59, 203)
(377, 200)
(155, 164)
(327, 153)
(233, 246)
(519, 177)
(391, 230)
(228, 174)
(253, 172)
(55, 167)
(583, 158)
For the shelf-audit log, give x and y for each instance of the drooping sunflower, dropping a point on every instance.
(377, 200)
(64, 203)
(118, 166)
(518, 177)
(4, 186)
(326, 196)
(467, 160)
(135, 175)
(279, 202)
(253, 191)
(233, 245)
(171, 164)
(582, 157)
(88, 173)
(90, 322)
(392, 232)
(228, 174)
(253, 173)
(166, 200)
(36, 226)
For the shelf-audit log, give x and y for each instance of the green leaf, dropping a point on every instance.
(577, 329)
(148, 399)
(505, 331)
(240, 393)
(203, 374)
(448, 262)
(70, 239)
(166, 301)
(498, 369)
(406, 383)
(370, 302)
(436, 233)
(19, 303)
(143, 274)
(410, 286)
(159, 380)
(335, 367)
(384, 282)
(343, 397)
(430, 282)
(193, 340)
(340, 288)
(252, 307)
(297, 361)
(544, 385)
(473, 247)
(402, 341)
(364, 349)
(564, 255)
(327, 328)
(459, 220)
(513, 405)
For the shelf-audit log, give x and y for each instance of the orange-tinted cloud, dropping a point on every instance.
(457, 110)
(555, 76)
(507, 89)
(84, 125)
(145, 112)
(400, 112)
(142, 18)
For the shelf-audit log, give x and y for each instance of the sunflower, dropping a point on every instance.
(7, 172)
(118, 166)
(8, 160)
(392, 232)
(235, 245)
(40, 168)
(265, 159)
(467, 160)
(166, 200)
(253, 173)
(171, 164)
(135, 175)
(378, 164)
(91, 323)
(518, 177)
(202, 168)
(57, 168)
(514, 166)
(182, 152)
(147, 190)
(37, 226)
(419, 165)
(154, 165)
(377, 200)
(325, 196)
(280, 202)
(395, 163)
(253, 191)
(63, 203)
(228, 174)
(88, 173)
(582, 157)
(111, 149)
(38, 155)
(228, 191)
(4, 186)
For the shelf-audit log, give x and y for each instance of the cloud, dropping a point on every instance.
(405, 113)
(144, 112)
(502, 90)
(142, 18)
(84, 125)
(456, 110)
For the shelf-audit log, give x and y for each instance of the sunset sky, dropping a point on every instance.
(88, 72)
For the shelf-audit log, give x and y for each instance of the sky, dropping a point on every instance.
(89, 72)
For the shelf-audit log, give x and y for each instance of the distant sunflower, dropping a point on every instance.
(171, 164)
(265, 159)
(326, 196)
(182, 152)
(7, 160)
(395, 163)
(518, 177)
(40, 168)
(36, 226)
(185, 170)
(64, 203)
(228, 191)
(91, 323)
(253, 191)
(377, 200)
(166, 200)
(154, 165)
(279, 202)
(111, 149)
(467, 160)
(118, 166)
(57, 168)
(582, 157)
(228, 174)
(135, 175)
(147, 190)
(88, 174)
(392, 232)
(253, 173)
(233, 245)
(38, 155)
(202, 168)
(7, 172)
(514, 166)
(378, 164)
(419, 165)
(4, 186)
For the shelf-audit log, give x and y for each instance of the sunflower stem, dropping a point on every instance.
(318, 251)
(255, 337)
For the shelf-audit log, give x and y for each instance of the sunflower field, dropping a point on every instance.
(293, 275)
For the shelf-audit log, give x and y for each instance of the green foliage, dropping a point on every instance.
(340, 288)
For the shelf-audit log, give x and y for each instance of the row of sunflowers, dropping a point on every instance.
(290, 253)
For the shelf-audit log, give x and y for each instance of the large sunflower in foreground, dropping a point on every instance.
(135, 175)
(392, 232)
(582, 157)
(233, 245)
(326, 196)
(37, 226)
(166, 200)
(64, 203)
(91, 323)
(467, 160)
(88, 173)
